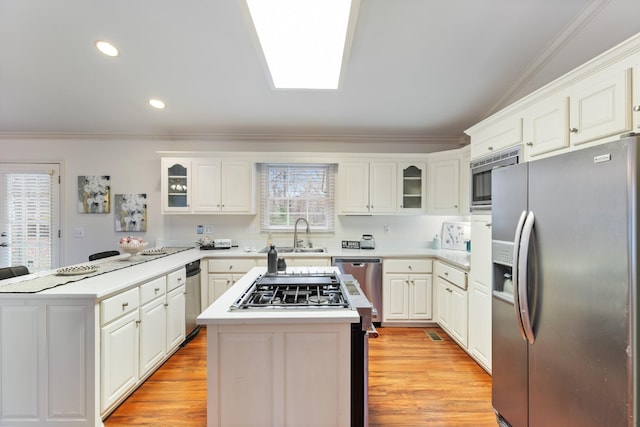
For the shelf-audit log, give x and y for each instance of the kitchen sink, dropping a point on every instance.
(290, 250)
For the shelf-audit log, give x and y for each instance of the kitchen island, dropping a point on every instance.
(277, 367)
(71, 353)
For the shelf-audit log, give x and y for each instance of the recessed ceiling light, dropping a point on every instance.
(156, 103)
(303, 41)
(107, 48)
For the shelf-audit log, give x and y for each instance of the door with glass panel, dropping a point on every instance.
(30, 215)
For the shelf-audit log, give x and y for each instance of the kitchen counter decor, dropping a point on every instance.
(76, 270)
(132, 245)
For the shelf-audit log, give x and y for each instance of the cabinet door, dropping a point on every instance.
(546, 126)
(354, 187)
(218, 284)
(412, 188)
(206, 186)
(636, 98)
(152, 335)
(444, 186)
(119, 358)
(481, 266)
(443, 302)
(600, 106)
(176, 328)
(396, 297)
(420, 296)
(465, 180)
(459, 314)
(176, 185)
(382, 187)
(237, 187)
(480, 323)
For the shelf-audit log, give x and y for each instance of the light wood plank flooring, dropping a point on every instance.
(413, 381)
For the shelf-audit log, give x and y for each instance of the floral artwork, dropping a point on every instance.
(94, 194)
(130, 212)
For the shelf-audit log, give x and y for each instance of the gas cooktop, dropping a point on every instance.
(281, 291)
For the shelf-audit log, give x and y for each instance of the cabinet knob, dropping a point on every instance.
(573, 130)
(490, 148)
(410, 268)
(636, 108)
(125, 305)
(157, 290)
(488, 225)
(530, 144)
(446, 273)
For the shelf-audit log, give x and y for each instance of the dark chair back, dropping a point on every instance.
(8, 272)
(101, 255)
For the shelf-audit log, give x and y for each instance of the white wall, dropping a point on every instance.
(134, 167)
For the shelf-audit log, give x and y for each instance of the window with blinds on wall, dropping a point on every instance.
(27, 222)
(292, 191)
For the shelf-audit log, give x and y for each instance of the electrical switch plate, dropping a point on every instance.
(387, 229)
(78, 232)
(199, 229)
(208, 229)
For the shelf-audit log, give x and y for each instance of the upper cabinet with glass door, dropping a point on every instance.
(411, 179)
(176, 185)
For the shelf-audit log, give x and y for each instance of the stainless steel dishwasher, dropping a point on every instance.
(368, 272)
(192, 300)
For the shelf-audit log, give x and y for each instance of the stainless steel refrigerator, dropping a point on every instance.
(565, 258)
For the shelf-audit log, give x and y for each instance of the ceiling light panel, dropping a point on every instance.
(303, 41)
(107, 48)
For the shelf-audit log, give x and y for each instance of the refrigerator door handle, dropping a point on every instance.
(514, 275)
(523, 285)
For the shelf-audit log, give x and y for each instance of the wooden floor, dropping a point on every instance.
(413, 381)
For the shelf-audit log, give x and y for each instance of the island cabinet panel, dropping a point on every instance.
(46, 363)
(279, 375)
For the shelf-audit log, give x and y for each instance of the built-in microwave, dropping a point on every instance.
(481, 175)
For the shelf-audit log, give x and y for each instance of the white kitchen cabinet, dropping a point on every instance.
(451, 301)
(208, 186)
(465, 180)
(152, 333)
(480, 286)
(636, 98)
(412, 187)
(176, 327)
(546, 126)
(495, 136)
(368, 187)
(444, 183)
(407, 290)
(119, 356)
(176, 185)
(600, 106)
(224, 272)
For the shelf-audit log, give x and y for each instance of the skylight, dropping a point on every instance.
(303, 41)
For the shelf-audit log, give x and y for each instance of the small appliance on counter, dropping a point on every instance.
(367, 242)
(208, 244)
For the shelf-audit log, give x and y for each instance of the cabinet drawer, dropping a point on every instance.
(118, 305)
(176, 278)
(407, 266)
(152, 289)
(222, 265)
(452, 274)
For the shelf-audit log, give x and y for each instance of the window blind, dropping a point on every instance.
(28, 211)
(292, 191)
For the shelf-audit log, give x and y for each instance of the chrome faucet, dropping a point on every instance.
(297, 242)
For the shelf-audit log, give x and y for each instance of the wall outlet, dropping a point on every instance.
(387, 229)
(208, 229)
(199, 229)
(78, 232)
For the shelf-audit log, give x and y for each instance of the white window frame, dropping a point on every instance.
(329, 199)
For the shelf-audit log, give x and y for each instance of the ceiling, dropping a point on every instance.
(418, 70)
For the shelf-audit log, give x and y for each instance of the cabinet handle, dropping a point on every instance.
(166, 305)
(573, 130)
(490, 148)
(446, 273)
(530, 144)
(488, 225)
(179, 279)
(138, 322)
(125, 305)
(410, 268)
(636, 108)
(157, 290)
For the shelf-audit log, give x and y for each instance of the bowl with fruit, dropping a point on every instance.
(132, 245)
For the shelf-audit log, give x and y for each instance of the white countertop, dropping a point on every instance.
(105, 285)
(460, 259)
(219, 314)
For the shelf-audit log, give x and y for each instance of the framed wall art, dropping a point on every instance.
(130, 212)
(94, 194)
